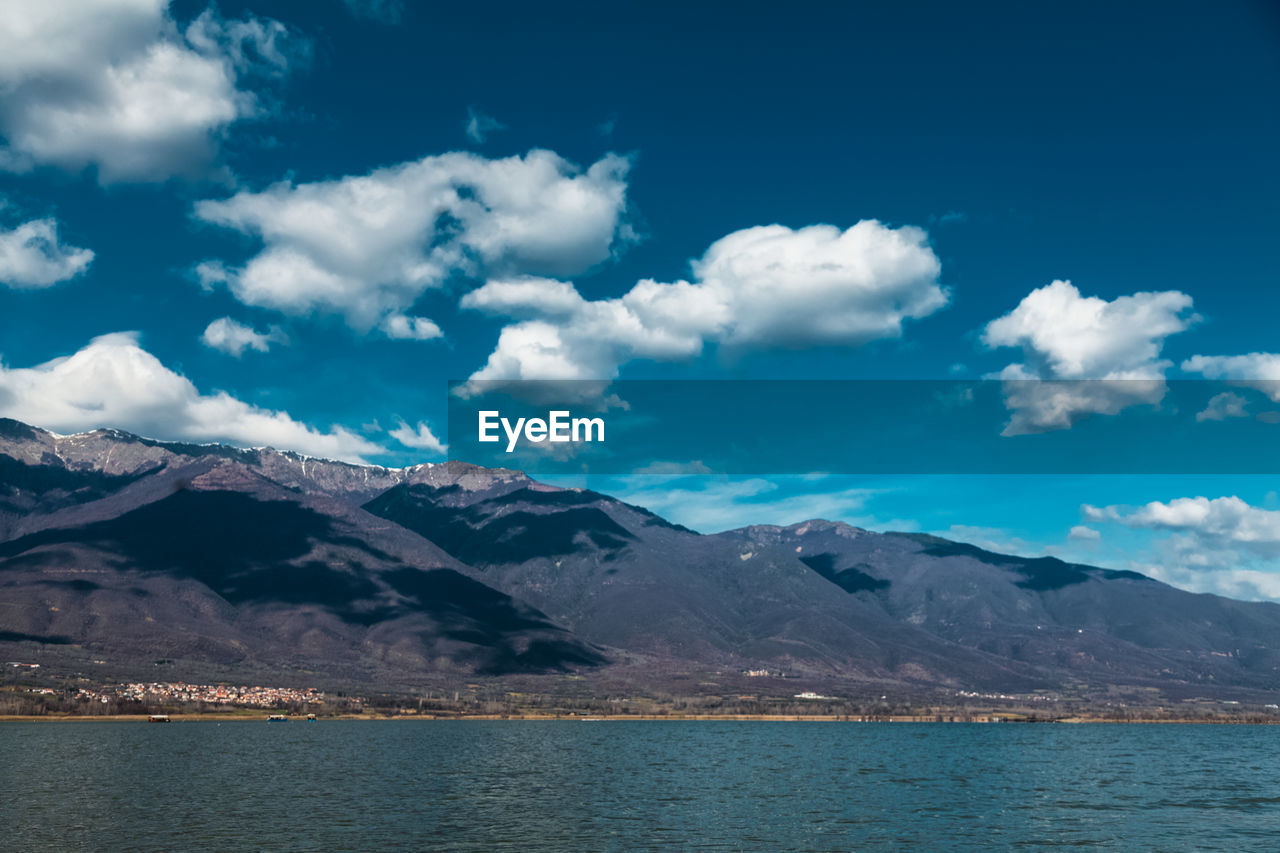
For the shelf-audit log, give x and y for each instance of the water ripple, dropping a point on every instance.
(715, 786)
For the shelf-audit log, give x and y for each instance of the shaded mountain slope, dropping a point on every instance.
(226, 566)
(129, 549)
(1094, 623)
(618, 576)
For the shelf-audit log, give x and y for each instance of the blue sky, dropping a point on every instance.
(293, 223)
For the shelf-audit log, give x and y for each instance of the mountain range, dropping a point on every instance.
(121, 556)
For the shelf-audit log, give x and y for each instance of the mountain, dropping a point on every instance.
(623, 578)
(125, 554)
(1082, 622)
(140, 551)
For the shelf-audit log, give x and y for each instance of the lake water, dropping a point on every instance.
(614, 785)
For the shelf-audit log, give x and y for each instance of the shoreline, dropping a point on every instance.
(983, 719)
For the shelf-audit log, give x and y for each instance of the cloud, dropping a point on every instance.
(1242, 584)
(118, 85)
(814, 285)
(382, 11)
(1084, 533)
(1042, 405)
(1220, 545)
(759, 288)
(673, 469)
(1075, 340)
(31, 256)
(1068, 336)
(526, 297)
(1223, 406)
(988, 538)
(419, 438)
(716, 504)
(1258, 370)
(113, 382)
(233, 338)
(367, 247)
(478, 126)
(406, 328)
(1225, 519)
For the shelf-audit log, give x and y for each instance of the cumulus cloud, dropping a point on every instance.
(419, 438)
(1223, 406)
(31, 256)
(1258, 370)
(114, 382)
(1074, 340)
(769, 286)
(1084, 533)
(1073, 337)
(406, 328)
(478, 126)
(118, 85)
(1179, 568)
(233, 337)
(367, 247)
(814, 285)
(1227, 519)
(1222, 545)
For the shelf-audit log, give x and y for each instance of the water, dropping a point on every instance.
(555, 786)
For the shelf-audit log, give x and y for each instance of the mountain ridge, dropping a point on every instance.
(128, 550)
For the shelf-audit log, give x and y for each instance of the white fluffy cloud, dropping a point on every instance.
(113, 382)
(1068, 336)
(233, 337)
(1223, 406)
(815, 285)
(419, 438)
(367, 247)
(1180, 564)
(1076, 339)
(1222, 545)
(1259, 370)
(117, 85)
(406, 328)
(31, 256)
(768, 286)
(1228, 519)
(1084, 533)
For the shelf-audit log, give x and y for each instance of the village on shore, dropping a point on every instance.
(190, 701)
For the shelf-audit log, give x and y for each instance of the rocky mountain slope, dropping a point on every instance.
(127, 551)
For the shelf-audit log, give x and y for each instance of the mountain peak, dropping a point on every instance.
(821, 525)
(776, 532)
(117, 452)
(471, 478)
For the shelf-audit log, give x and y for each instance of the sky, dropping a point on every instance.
(293, 224)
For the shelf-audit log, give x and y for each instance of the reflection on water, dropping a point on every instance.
(552, 786)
